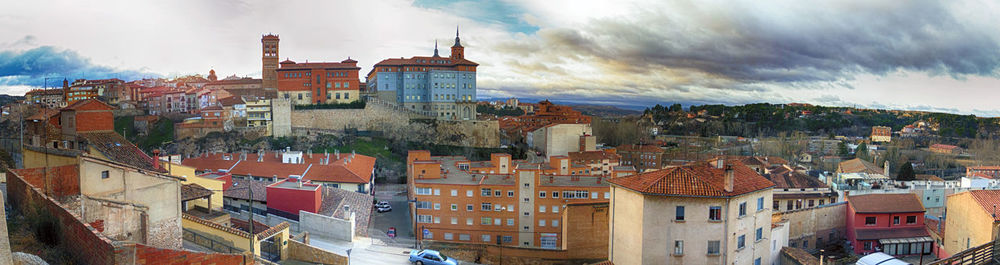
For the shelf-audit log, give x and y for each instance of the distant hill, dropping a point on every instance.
(7, 99)
(604, 110)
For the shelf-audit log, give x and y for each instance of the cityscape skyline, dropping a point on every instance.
(873, 54)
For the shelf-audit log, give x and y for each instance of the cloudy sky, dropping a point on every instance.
(920, 55)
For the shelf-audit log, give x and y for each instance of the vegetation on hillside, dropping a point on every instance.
(500, 112)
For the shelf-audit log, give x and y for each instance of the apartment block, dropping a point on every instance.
(500, 201)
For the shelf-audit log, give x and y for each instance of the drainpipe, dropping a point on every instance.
(611, 255)
(725, 231)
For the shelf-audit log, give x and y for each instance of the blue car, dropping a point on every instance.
(431, 257)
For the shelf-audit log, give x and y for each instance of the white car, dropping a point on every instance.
(383, 206)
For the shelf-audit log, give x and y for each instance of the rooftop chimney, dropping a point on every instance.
(730, 178)
(156, 159)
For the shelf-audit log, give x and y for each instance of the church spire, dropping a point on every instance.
(458, 42)
(436, 48)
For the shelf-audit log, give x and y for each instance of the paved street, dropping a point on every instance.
(399, 217)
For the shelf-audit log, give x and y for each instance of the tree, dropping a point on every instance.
(862, 152)
(842, 150)
(676, 108)
(906, 172)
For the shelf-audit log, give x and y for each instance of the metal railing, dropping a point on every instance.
(984, 254)
(212, 244)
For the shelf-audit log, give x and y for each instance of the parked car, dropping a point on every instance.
(383, 206)
(431, 257)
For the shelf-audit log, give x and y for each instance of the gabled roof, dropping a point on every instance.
(860, 166)
(89, 104)
(358, 170)
(194, 191)
(786, 178)
(886, 203)
(116, 148)
(239, 189)
(230, 101)
(700, 179)
(988, 200)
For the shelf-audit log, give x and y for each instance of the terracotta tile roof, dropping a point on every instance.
(928, 177)
(886, 203)
(358, 170)
(987, 199)
(887, 233)
(230, 101)
(696, 179)
(324, 65)
(194, 191)
(593, 156)
(943, 146)
(116, 148)
(43, 114)
(934, 225)
(84, 104)
(859, 166)
(426, 61)
(765, 161)
(786, 178)
(241, 81)
(334, 200)
(648, 148)
(239, 190)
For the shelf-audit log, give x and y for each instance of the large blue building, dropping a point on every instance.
(441, 86)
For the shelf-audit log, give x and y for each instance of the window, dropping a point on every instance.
(510, 221)
(895, 220)
(423, 205)
(437, 206)
(870, 220)
(541, 194)
(678, 247)
(486, 192)
(759, 235)
(756, 261)
(811, 203)
(510, 207)
(437, 220)
(805, 243)
(593, 195)
(868, 245)
(486, 238)
(789, 205)
(105, 174)
(468, 221)
(423, 191)
(555, 208)
(486, 206)
(715, 213)
(449, 236)
(454, 193)
(760, 204)
(555, 223)
(424, 218)
(555, 194)
(485, 221)
(776, 205)
(464, 237)
(497, 193)
(741, 241)
(713, 247)
(743, 209)
(468, 207)
(541, 208)
(510, 193)
(454, 220)
(911, 219)
(541, 222)
(679, 213)
(496, 221)
(508, 239)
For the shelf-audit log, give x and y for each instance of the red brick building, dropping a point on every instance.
(317, 83)
(890, 223)
(641, 156)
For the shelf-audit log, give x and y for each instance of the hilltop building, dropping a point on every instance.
(269, 62)
(881, 134)
(319, 83)
(444, 87)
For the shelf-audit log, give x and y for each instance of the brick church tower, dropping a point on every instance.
(457, 51)
(269, 48)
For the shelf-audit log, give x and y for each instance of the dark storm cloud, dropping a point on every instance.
(30, 67)
(823, 42)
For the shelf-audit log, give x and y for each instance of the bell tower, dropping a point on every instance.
(457, 51)
(269, 50)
